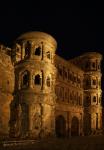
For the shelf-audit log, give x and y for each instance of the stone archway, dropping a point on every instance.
(87, 124)
(75, 127)
(60, 126)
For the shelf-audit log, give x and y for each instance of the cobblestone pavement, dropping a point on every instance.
(76, 143)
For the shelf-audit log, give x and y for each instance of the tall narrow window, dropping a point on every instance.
(94, 98)
(37, 80)
(38, 51)
(48, 55)
(94, 81)
(93, 64)
(48, 81)
(60, 71)
(27, 50)
(25, 79)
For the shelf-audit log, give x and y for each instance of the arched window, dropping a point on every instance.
(37, 80)
(27, 50)
(48, 81)
(93, 65)
(38, 51)
(48, 55)
(94, 98)
(94, 82)
(25, 79)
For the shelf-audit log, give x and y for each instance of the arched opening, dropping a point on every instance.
(87, 124)
(37, 80)
(25, 79)
(27, 50)
(38, 51)
(75, 127)
(48, 55)
(60, 126)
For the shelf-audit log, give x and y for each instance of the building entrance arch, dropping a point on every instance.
(60, 126)
(75, 127)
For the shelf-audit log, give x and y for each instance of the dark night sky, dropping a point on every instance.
(77, 27)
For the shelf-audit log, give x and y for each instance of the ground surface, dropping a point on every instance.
(75, 143)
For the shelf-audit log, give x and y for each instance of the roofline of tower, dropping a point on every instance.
(37, 34)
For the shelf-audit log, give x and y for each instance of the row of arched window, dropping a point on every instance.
(37, 50)
(92, 99)
(92, 65)
(37, 80)
(92, 82)
(64, 94)
(68, 75)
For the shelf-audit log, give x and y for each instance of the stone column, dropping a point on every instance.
(23, 50)
(31, 80)
(43, 80)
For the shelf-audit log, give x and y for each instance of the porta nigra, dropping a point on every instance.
(44, 95)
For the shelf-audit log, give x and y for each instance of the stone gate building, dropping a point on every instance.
(42, 94)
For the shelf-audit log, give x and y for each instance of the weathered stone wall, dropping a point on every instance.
(6, 90)
(91, 64)
(33, 56)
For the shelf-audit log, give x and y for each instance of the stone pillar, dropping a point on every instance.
(23, 50)
(31, 50)
(31, 80)
(43, 80)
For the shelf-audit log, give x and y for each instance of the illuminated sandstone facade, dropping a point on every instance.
(6, 88)
(53, 96)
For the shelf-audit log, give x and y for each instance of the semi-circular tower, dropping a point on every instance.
(92, 93)
(32, 110)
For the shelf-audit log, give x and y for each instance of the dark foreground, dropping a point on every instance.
(75, 143)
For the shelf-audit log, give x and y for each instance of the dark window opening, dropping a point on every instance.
(94, 82)
(38, 51)
(87, 65)
(37, 80)
(60, 71)
(25, 82)
(93, 65)
(94, 99)
(88, 82)
(17, 49)
(88, 101)
(48, 55)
